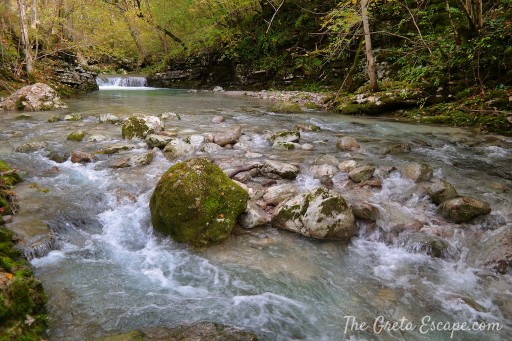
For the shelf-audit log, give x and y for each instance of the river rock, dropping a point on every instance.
(430, 245)
(119, 163)
(365, 211)
(326, 159)
(218, 119)
(200, 331)
(275, 195)
(398, 149)
(196, 140)
(323, 170)
(72, 117)
(170, 116)
(143, 159)
(114, 149)
(177, 148)
(76, 136)
(347, 143)
(81, 157)
(211, 148)
(141, 126)
(229, 137)
(253, 217)
(441, 191)
(109, 118)
(463, 209)
(326, 181)
(196, 203)
(35, 97)
(54, 118)
(496, 250)
(285, 137)
(307, 147)
(58, 156)
(307, 127)
(31, 147)
(286, 146)
(279, 170)
(360, 174)
(96, 138)
(158, 141)
(417, 172)
(320, 214)
(347, 166)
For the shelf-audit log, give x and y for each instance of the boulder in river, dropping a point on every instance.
(398, 149)
(35, 97)
(81, 157)
(229, 137)
(417, 172)
(361, 174)
(285, 137)
(347, 143)
(177, 148)
(196, 203)
(109, 118)
(319, 213)
(307, 127)
(156, 140)
(76, 136)
(365, 211)
(441, 191)
(322, 170)
(274, 195)
(141, 126)
(279, 170)
(463, 209)
(423, 243)
(31, 147)
(254, 217)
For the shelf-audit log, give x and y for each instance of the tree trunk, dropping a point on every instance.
(24, 36)
(136, 38)
(33, 15)
(368, 46)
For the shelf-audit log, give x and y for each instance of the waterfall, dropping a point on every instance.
(116, 82)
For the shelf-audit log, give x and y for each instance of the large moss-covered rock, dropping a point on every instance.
(141, 126)
(196, 203)
(320, 213)
(463, 209)
(35, 97)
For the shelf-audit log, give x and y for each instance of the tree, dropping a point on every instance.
(24, 36)
(368, 46)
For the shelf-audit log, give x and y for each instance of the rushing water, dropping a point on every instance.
(111, 273)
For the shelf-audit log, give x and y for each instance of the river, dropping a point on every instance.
(111, 273)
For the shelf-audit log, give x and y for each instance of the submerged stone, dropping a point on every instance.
(195, 202)
(76, 136)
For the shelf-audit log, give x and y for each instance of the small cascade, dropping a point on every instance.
(116, 82)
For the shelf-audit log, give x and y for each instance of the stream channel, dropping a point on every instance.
(110, 273)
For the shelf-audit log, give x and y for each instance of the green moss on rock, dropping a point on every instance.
(195, 202)
(76, 136)
(21, 295)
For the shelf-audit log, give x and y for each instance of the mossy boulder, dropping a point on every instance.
(361, 174)
(285, 137)
(463, 209)
(319, 213)
(8, 176)
(35, 97)
(287, 108)
(196, 203)
(141, 126)
(76, 136)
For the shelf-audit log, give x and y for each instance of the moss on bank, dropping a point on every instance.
(22, 299)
